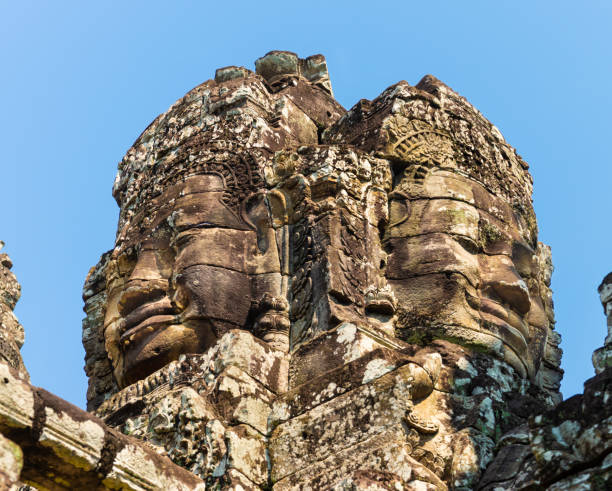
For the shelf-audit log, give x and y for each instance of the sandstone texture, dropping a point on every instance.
(305, 297)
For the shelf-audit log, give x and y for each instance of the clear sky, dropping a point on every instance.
(81, 80)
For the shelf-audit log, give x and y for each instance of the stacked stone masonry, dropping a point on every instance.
(304, 297)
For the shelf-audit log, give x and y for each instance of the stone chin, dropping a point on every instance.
(506, 343)
(156, 343)
(506, 346)
(460, 318)
(498, 330)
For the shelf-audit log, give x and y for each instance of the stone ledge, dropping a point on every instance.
(65, 447)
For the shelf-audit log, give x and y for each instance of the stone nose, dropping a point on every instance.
(500, 278)
(146, 284)
(147, 266)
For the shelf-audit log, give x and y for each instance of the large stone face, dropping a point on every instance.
(199, 264)
(301, 296)
(461, 238)
(411, 206)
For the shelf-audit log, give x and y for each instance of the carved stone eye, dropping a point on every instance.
(523, 259)
(468, 244)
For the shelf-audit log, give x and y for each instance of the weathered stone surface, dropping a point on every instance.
(11, 462)
(342, 422)
(300, 256)
(568, 447)
(304, 297)
(11, 331)
(462, 237)
(209, 413)
(383, 461)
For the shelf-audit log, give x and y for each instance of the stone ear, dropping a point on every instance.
(277, 205)
(255, 213)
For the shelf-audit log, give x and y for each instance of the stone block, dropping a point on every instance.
(136, 469)
(76, 441)
(246, 453)
(385, 457)
(339, 423)
(242, 350)
(11, 462)
(331, 350)
(328, 385)
(239, 398)
(16, 401)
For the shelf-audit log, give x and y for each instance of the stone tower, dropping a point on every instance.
(297, 289)
(304, 297)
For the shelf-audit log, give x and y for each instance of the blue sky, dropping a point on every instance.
(81, 80)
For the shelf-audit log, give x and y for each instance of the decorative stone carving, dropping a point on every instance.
(303, 297)
(258, 213)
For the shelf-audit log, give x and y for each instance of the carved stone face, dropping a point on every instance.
(181, 276)
(462, 268)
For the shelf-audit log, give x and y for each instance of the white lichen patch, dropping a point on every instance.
(375, 369)
(280, 412)
(230, 385)
(346, 333)
(566, 432)
(465, 365)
